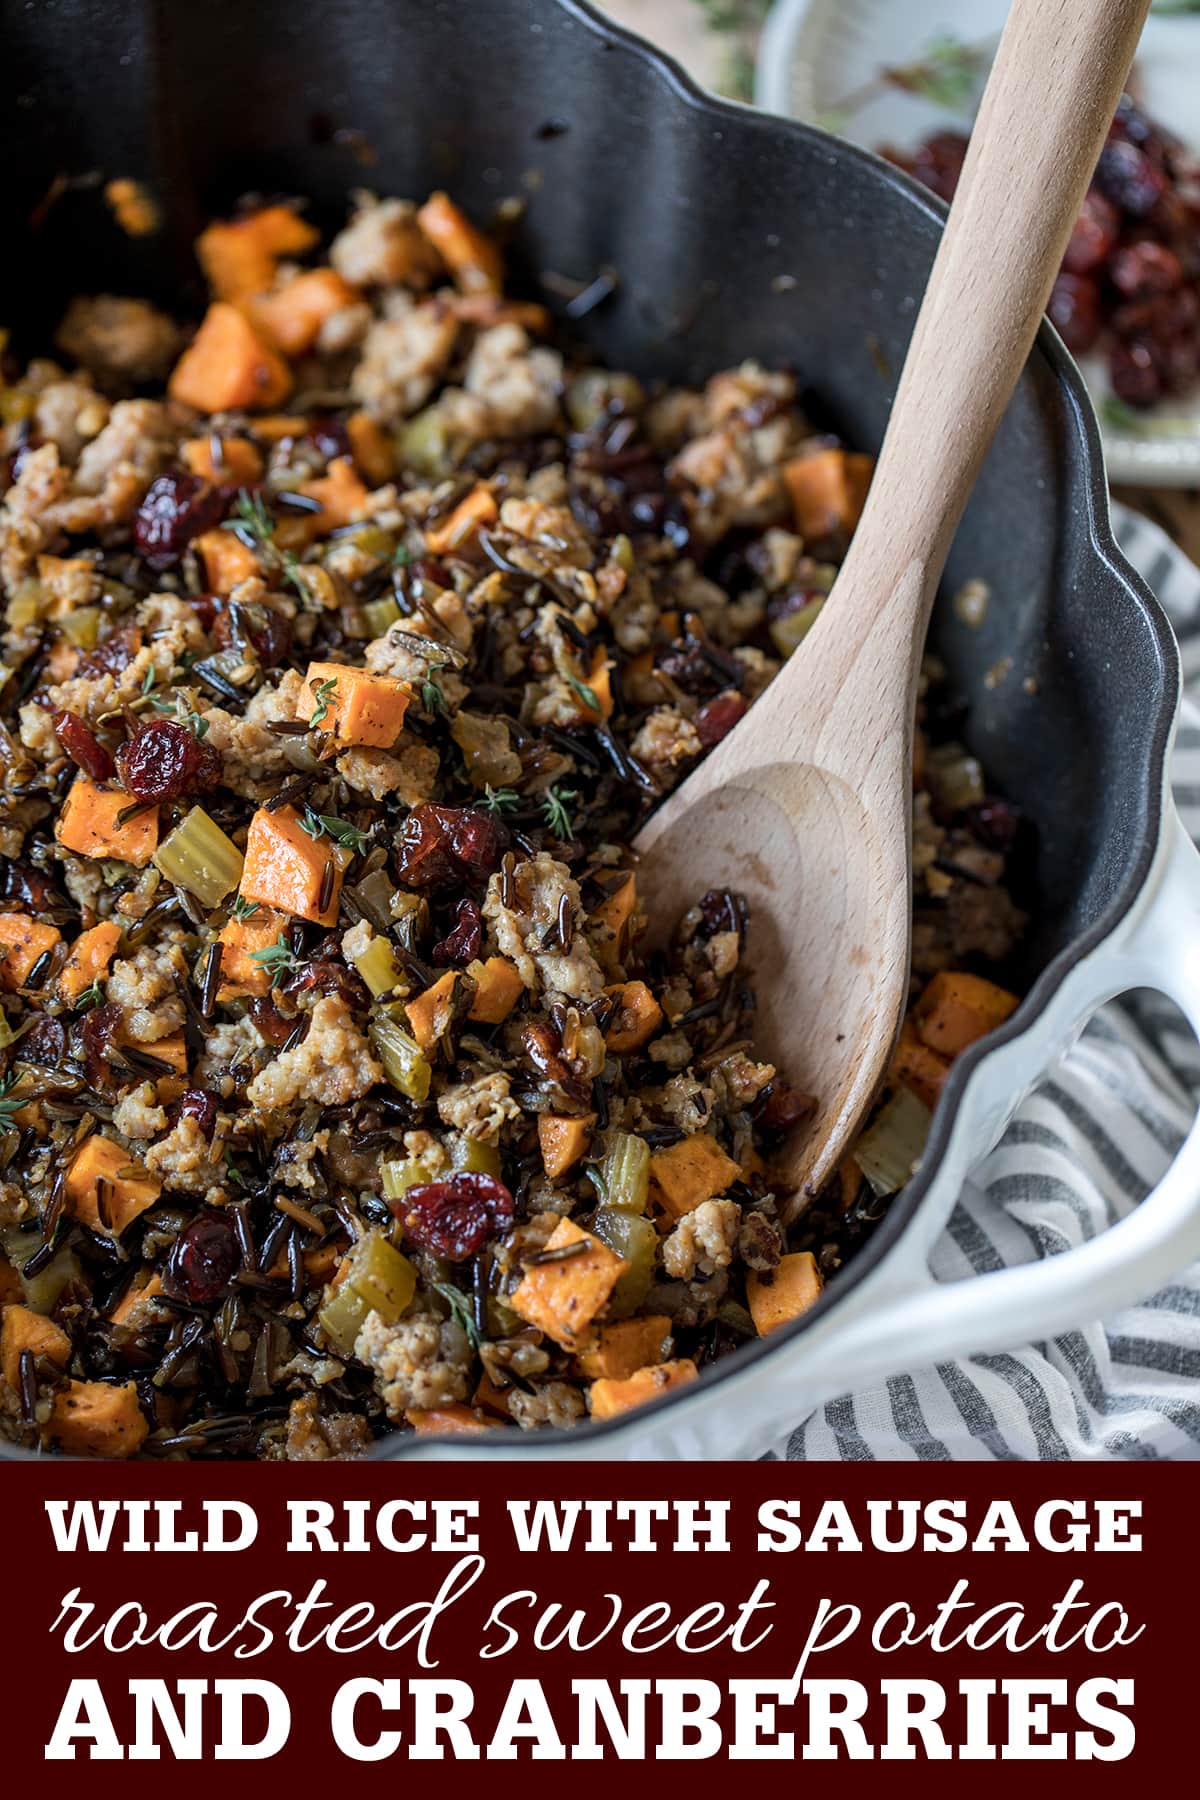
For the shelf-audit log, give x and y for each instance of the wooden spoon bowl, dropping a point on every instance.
(805, 808)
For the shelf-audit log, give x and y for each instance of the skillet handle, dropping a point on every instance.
(912, 1320)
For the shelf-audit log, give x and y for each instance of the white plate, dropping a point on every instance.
(818, 60)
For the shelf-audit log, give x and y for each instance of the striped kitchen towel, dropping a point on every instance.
(1081, 1151)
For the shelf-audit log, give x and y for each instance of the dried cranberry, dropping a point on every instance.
(167, 759)
(264, 629)
(994, 823)
(716, 720)
(97, 1033)
(938, 162)
(203, 1260)
(785, 1107)
(1093, 235)
(441, 844)
(463, 942)
(327, 974)
(45, 1042)
(1134, 374)
(30, 887)
(793, 600)
(1074, 310)
(275, 1026)
(113, 653)
(724, 910)
(428, 572)
(206, 608)
(683, 663)
(176, 509)
(457, 1217)
(329, 435)
(198, 1104)
(1144, 269)
(1128, 178)
(82, 745)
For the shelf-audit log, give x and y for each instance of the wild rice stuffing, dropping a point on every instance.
(346, 643)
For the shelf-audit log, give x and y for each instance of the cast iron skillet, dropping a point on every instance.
(733, 235)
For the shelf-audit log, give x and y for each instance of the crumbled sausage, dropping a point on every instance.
(121, 340)
(138, 1114)
(383, 246)
(333, 1064)
(522, 933)
(418, 1363)
(145, 985)
(402, 357)
(480, 1108)
(314, 1435)
(703, 1241)
(557, 1404)
(185, 1161)
(666, 739)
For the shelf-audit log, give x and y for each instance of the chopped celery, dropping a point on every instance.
(6, 1036)
(411, 916)
(380, 615)
(889, 1150)
(627, 1173)
(490, 758)
(622, 553)
(502, 1321)
(82, 627)
(377, 966)
(475, 1158)
(403, 1062)
(378, 1279)
(954, 776)
(199, 857)
(25, 603)
(636, 1240)
(422, 444)
(789, 632)
(405, 1173)
(374, 894)
(16, 406)
(591, 395)
(373, 540)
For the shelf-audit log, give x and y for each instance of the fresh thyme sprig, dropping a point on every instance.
(242, 909)
(499, 800)
(340, 830)
(278, 959)
(176, 707)
(252, 523)
(91, 996)
(586, 693)
(323, 695)
(555, 803)
(10, 1103)
(461, 1310)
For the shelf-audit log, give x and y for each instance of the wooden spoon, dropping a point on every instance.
(806, 807)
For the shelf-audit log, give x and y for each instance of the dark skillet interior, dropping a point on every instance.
(734, 235)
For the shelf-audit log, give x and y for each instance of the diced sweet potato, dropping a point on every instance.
(239, 256)
(24, 1329)
(371, 448)
(486, 310)
(285, 868)
(429, 1013)
(635, 1018)
(240, 461)
(686, 1174)
(358, 708)
(498, 988)
(96, 1418)
(67, 582)
(597, 680)
(459, 527)
(791, 1287)
(227, 561)
(112, 1207)
(562, 1298)
(341, 493)
(88, 824)
(827, 491)
(914, 1065)
(450, 1420)
(23, 943)
(292, 316)
(227, 365)
(88, 958)
(617, 1351)
(609, 1398)
(563, 1140)
(272, 428)
(135, 1308)
(472, 258)
(618, 907)
(957, 1008)
(171, 1049)
(11, 1289)
(239, 938)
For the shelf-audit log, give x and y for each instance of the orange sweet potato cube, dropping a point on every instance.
(292, 316)
(342, 495)
(97, 1418)
(24, 1329)
(787, 1291)
(635, 1018)
(686, 1174)
(957, 1008)
(450, 1420)
(429, 1013)
(285, 868)
(827, 491)
(459, 527)
(562, 1297)
(227, 561)
(239, 462)
(228, 366)
(914, 1065)
(472, 258)
(113, 1206)
(239, 939)
(136, 1305)
(23, 943)
(239, 256)
(609, 1398)
(563, 1139)
(88, 958)
(88, 824)
(372, 448)
(498, 988)
(357, 706)
(617, 1351)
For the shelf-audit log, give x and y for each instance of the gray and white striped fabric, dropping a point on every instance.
(1082, 1151)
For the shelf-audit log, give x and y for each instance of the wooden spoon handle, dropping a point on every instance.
(1057, 77)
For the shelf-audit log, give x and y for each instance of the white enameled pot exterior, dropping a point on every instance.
(899, 1317)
